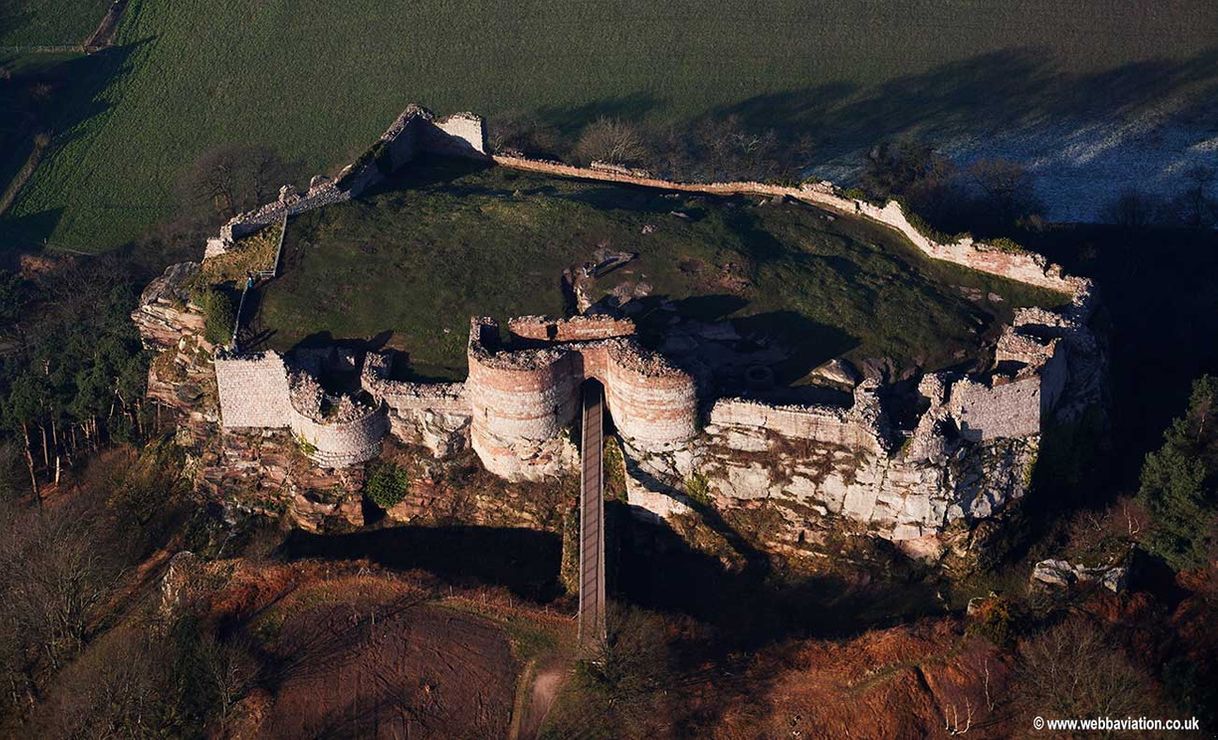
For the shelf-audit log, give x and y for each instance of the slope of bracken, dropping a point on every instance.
(911, 681)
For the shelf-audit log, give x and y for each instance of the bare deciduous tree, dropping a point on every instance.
(610, 140)
(1072, 670)
(1195, 207)
(1133, 209)
(230, 179)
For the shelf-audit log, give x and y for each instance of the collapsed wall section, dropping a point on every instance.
(435, 415)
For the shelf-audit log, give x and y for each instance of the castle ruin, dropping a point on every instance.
(967, 452)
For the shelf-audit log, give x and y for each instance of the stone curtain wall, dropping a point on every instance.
(1026, 267)
(416, 129)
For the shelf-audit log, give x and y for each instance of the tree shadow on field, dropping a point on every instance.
(23, 233)
(569, 121)
(76, 86)
(1009, 93)
(14, 15)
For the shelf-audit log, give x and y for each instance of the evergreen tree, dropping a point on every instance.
(1179, 482)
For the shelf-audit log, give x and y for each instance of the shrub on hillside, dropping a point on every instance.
(219, 315)
(387, 485)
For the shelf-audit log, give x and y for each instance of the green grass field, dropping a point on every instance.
(35, 23)
(452, 240)
(318, 80)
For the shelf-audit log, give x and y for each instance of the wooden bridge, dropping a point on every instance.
(592, 633)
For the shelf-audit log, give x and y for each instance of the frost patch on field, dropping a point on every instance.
(1080, 166)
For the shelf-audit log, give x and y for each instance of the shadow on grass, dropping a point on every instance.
(801, 343)
(76, 86)
(525, 561)
(1008, 90)
(756, 604)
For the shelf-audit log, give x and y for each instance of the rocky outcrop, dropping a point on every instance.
(1064, 574)
(165, 314)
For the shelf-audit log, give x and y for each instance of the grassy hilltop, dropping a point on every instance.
(449, 240)
(317, 80)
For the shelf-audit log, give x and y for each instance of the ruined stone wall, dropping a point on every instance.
(435, 415)
(414, 130)
(825, 424)
(1008, 410)
(1026, 267)
(818, 465)
(461, 134)
(256, 391)
(574, 329)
